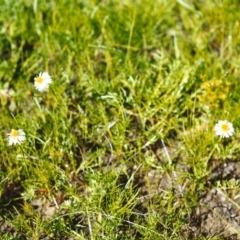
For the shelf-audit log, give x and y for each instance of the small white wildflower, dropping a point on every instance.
(16, 137)
(42, 81)
(224, 129)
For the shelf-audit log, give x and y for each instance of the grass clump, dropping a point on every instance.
(121, 143)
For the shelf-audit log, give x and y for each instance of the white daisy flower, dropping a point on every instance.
(16, 137)
(42, 81)
(224, 129)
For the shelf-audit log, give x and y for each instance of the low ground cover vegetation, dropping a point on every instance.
(119, 119)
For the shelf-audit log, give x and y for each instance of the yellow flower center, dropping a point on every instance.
(14, 133)
(39, 80)
(225, 127)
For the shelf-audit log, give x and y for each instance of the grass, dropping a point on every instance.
(122, 145)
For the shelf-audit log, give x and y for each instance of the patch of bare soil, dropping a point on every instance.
(218, 213)
(9, 201)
